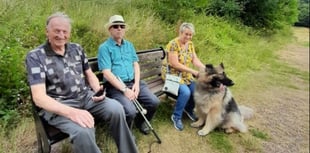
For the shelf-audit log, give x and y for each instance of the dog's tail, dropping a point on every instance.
(246, 112)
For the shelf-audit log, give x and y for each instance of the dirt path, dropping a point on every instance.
(284, 110)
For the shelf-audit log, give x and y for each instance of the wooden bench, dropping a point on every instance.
(150, 66)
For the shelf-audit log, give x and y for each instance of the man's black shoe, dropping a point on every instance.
(144, 129)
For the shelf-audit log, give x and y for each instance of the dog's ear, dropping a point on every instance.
(222, 65)
(209, 67)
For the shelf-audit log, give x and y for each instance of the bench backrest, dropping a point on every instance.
(150, 62)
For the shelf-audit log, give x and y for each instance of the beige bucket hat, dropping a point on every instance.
(115, 20)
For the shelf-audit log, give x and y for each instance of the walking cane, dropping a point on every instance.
(143, 111)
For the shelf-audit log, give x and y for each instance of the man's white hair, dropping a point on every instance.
(58, 14)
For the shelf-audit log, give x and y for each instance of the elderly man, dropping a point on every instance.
(63, 85)
(117, 58)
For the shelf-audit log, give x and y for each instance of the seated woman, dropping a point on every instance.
(180, 55)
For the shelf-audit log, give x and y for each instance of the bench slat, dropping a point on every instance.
(153, 73)
(150, 57)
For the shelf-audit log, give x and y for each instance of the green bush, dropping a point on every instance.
(270, 14)
(267, 15)
(303, 16)
(174, 11)
(225, 8)
(12, 84)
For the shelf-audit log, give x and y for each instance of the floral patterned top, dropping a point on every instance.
(174, 47)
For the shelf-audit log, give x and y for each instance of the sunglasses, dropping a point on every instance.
(117, 26)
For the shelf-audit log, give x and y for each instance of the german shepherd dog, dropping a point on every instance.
(215, 105)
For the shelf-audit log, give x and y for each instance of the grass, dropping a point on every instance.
(220, 141)
(302, 39)
(259, 134)
(19, 140)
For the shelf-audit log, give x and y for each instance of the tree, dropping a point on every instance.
(262, 14)
(303, 16)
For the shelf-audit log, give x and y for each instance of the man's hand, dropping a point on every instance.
(130, 94)
(136, 88)
(81, 117)
(99, 95)
(100, 98)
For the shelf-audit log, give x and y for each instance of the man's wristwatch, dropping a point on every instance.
(124, 89)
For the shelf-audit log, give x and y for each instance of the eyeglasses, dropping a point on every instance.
(117, 26)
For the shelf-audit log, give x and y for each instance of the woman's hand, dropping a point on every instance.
(195, 74)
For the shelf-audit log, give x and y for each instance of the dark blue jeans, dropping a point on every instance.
(146, 98)
(185, 100)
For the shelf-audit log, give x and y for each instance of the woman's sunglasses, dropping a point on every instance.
(117, 26)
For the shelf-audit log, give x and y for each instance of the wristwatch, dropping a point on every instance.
(124, 89)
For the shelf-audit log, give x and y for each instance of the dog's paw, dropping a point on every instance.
(202, 132)
(196, 124)
(229, 130)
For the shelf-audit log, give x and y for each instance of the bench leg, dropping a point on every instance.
(43, 147)
(40, 150)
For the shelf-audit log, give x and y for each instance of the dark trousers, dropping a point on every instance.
(107, 111)
(146, 98)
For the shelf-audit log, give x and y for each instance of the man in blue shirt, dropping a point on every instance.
(117, 58)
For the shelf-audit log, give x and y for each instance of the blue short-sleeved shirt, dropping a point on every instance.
(118, 58)
(63, 76)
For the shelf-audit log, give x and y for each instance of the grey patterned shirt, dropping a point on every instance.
(63, 76)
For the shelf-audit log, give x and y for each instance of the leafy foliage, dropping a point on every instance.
(231, 9)
(270, 14)
(303, 16)
(267, 15)
(174, 11)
